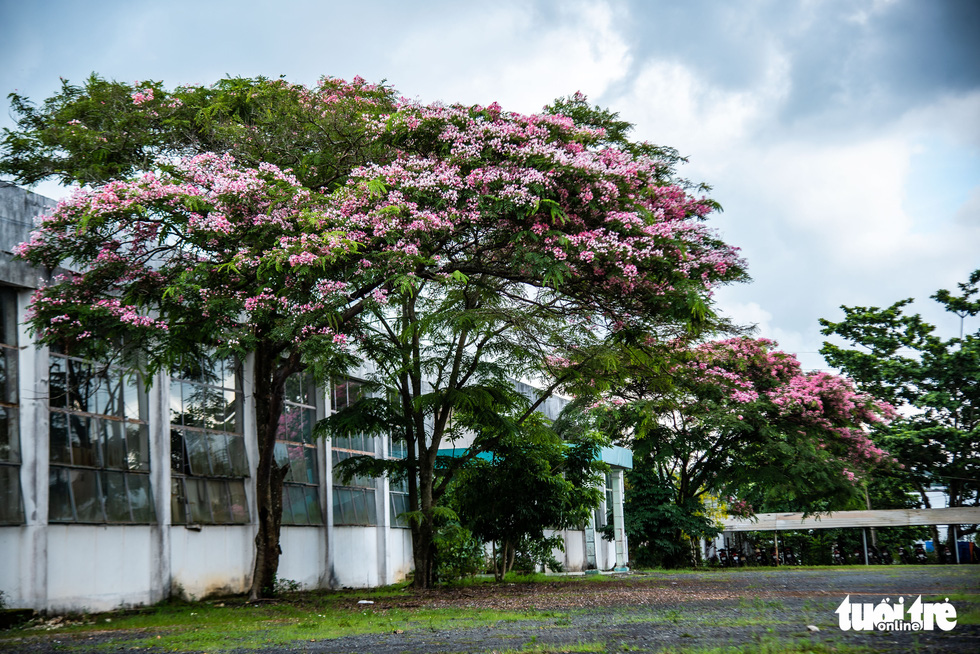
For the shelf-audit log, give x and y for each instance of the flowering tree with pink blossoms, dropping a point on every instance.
(447, 243)
(743, 418)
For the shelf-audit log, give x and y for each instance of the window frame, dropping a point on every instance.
(98, 453)
(359, 495)
(208, 464)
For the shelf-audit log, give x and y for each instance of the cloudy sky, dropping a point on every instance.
(841, 137)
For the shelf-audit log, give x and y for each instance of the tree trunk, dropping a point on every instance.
(268, 389)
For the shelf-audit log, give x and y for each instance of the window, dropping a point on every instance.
(207, 446)
(11, 506)
(398, 490)
(295, 446)
(354, 501)
(99, 444)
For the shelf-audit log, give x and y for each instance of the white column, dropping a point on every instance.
(158, 396)
(35, 452)
(619, 526)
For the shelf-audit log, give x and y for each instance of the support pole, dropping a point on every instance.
(956, 545)
(864, 538)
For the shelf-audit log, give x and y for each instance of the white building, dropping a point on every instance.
(116, 492)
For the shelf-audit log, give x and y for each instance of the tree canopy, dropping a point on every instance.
(934, 382)
(743, 420)
(289, 224)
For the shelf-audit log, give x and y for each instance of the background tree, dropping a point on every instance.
(475, 241)
(934, 382)
(533, 480)
(740, 419)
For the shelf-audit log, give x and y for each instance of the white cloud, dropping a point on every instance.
(513, 57)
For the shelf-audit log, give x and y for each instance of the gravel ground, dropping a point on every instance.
(657, 611)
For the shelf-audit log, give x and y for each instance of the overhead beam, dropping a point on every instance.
(967, 515)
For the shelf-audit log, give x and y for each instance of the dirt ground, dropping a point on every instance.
(665, 611)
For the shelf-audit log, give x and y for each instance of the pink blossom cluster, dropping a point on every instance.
(751, 371)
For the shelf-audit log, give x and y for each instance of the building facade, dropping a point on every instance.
(116, 490)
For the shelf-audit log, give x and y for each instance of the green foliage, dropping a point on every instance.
(458, 553)
(935, 382)
(533, 553)
(532, 481)
(658, 524)
(97, 131)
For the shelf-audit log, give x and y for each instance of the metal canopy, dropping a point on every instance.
(878, 518)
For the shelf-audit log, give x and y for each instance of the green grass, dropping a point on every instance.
(774, 646)
(209, 627)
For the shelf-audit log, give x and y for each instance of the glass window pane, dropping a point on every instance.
(220, 501)
(84, 442)
(116, 497)
(176, 403)
(193, 401)
(178, 453)
(312, 505)
(8, 436)
(297, 463)
(239, 503)
(309, 421)
(231, 418)
(236, 453)
(79, 385)
(197, 452)
(9, 316)
(59, 495)
(8, 375)
(298, 503)
(218, 452)
(287, 508)
(213, 401)
(11, 507)
(230, 368)
(178, 502)
(343, 512)
(360, 507)
(197, 501)
(58, 382)
(280, 454)
(134, 402)
(339, 396)
(115, 443)
(85, 492)
(294, 389)
(309, 454)
(105, 390)
(138, 446)
(58, 435)
(140, 498)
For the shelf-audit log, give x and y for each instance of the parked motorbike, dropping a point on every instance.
(775, 557)
(874, 558)
(903, 556)
(886, 556)
(723, 559)
(919, 554)
(857, 556)
(760, 557)
(946, 555)
(838, 555)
